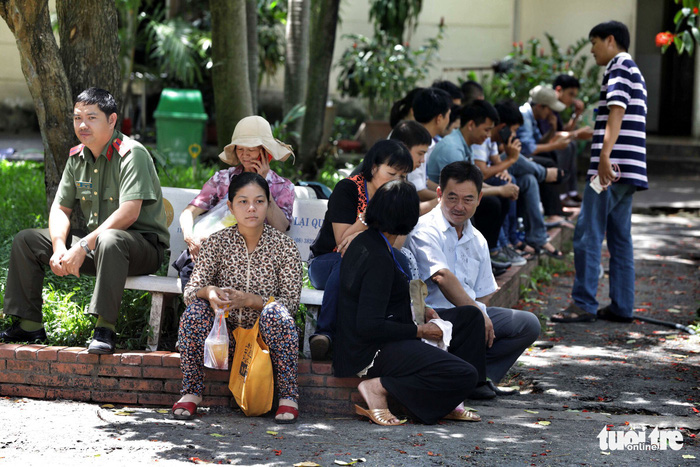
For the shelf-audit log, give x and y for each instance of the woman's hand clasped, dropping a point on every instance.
(217, 297)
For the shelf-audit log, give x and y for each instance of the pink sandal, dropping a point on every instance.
(191, 407)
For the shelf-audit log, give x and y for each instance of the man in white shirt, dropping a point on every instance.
(453, 259)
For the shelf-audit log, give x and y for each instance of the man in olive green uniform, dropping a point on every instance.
(113, 180)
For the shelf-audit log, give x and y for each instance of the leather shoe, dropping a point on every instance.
(102, 341)
(16, 334)
(607, 314)
(482, 392)
(320, 345)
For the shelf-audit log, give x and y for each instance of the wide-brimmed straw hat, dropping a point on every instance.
(252, 132)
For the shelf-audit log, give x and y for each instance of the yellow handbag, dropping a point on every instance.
(252, 381)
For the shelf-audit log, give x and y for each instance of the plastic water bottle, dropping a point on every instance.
(520, 232)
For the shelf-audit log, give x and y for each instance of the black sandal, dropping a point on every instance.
(573, 314)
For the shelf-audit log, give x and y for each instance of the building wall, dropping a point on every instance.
(477, 33)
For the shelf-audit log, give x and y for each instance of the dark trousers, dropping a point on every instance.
(428, 381)
(489, 217)
(117, 254)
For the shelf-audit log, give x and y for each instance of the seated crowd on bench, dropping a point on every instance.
(437, 202)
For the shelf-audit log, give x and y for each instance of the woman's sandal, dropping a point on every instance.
(521, 249)
(191, 407)
(378, 416)
(287, 409)
(463, 416)
(541, 250)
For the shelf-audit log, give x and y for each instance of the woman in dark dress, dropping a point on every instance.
(376, 335)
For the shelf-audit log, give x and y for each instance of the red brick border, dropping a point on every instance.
(145, 378)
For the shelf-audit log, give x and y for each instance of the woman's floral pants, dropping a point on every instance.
(277, 329)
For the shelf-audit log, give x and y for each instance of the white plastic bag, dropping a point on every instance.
(218, 218)
(216, 344)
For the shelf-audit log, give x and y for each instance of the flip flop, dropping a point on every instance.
(573, 314)
(378, 416)
(287, 409)
(191, 407)
(556, 254)
(462, 416)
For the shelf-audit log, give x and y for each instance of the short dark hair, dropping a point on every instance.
(390, 152)
(478, 111)
(104, 100)
(429, 103)
(394, 208)
(245, 179)
(451, 88)
(471, 90)
(612, 28)
(509, 113)
(461, 171)
(401, 108)
(566, 82)
(411, 133)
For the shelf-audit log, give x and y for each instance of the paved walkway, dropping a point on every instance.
(626, 377)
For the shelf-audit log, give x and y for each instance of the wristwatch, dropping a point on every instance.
(85, 246)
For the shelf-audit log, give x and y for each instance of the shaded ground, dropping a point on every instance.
(595, 375)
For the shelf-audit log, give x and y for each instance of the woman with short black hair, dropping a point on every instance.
(385, 161)
(376, 335)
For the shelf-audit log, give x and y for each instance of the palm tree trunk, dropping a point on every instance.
(252, 33)
(321, 45)
(297, 53)
(232, 96)
(90, 45)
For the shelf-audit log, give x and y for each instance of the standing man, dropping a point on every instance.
(114, 180)
(453, 260)
(618, 158)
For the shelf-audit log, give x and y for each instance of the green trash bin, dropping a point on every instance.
(180, 120)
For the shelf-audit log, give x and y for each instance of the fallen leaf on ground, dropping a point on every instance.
(123, 413)
(163, 411)
(273, 433)
(107, 406)
(688, 456)
(307, 464)
(544, 422)
(216, 435)
(531, 411)
(605, 453)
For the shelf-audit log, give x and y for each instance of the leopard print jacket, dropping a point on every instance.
(273, 269)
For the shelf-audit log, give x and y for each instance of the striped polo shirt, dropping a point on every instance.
(623, 85)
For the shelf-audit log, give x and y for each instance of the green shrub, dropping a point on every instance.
(528, 65)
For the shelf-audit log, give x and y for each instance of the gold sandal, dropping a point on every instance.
(378, 416)
(463, 416)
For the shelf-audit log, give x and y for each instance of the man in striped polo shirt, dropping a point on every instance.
(618, 159)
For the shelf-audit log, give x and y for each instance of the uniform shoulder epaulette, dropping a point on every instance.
(123, 147)
(76, 150)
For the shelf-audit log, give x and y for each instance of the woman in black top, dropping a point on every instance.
(385, 161)
(376, 335)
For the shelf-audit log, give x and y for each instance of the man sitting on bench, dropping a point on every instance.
(113, 179)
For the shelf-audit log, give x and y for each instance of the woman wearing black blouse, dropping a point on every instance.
(376, 335)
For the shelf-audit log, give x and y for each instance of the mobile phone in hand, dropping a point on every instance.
(504, 133)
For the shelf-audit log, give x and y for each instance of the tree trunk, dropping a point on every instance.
(251, 10)
(90, 45)
(230, 77)
(296, 62)
(322, 42)
(30, 22)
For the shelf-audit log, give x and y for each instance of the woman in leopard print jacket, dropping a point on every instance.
(242, 267)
